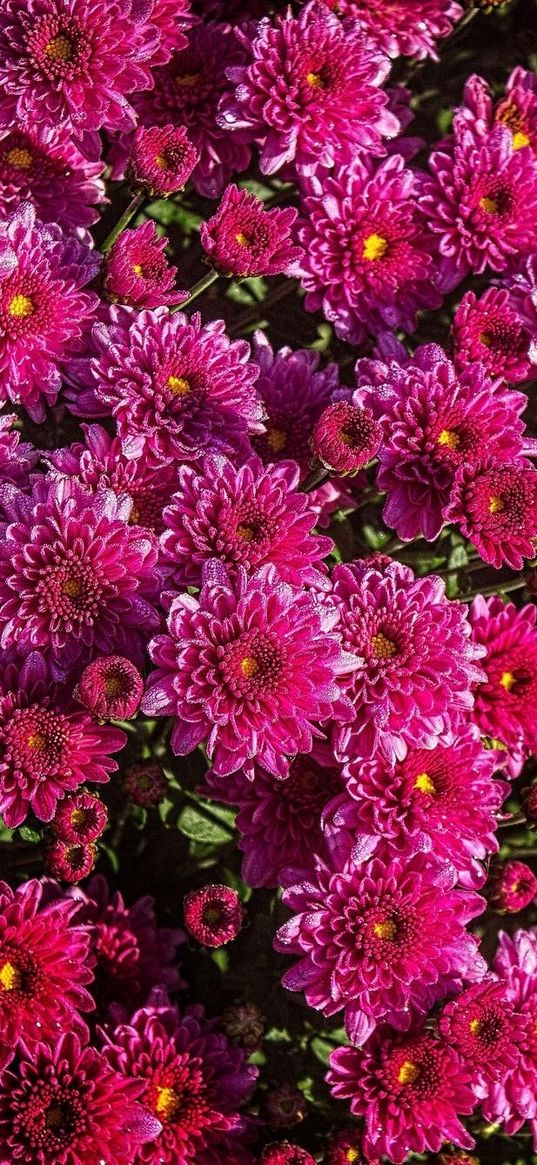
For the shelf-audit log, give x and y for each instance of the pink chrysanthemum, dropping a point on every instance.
(64, 1106)
(145, 784)
(213, 915)
(495, 506)
(512, 1098)
(177, 389)
(244, 239)
(195, 1084)
(367, 250)
(80, 818)
(137, 272)
(489, 331)
(418, 664)
(17, 458)
(249, 667)
(434, 420)
(44, 968)
(481, 202)
(522, 287)
(69, 863)
(284, 1153)
(43, 307)
(441, 800)
(517, 110)
(511, 887)
(399, 31)
(111, 688)
(344, 1147)
(74, 63)
(345, 437)
(505, 704)
(485, 1029)
(280, 820)
(243, 517)
(75, 579)
(162, 159)
(310, 87)
(410, 1091)
(48, 747)
(44, 166)
(382, 940)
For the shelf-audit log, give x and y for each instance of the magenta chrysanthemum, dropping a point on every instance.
(195, 1084)
(511, 887)
(418, 664)
(111, 688)
(75, 579)
(284, 1153)
(79, 818)
(44, 969)
(213, 914)
(48, 745)
(512, 1099)
(162, 159)
(345, 437)
(495, 506)
(398, 30)
(244, 239)
(69, 863)
(505, 704)
(249, 667)
(43, 307)
(17, 457)
(344, 1147)
(383, 941)
(137, 272)
(44, 166)
(367, 251)
(485, 1029)
(310, 86)
(244, 517)
(517, 110)
(489, 331)
(410, 1091)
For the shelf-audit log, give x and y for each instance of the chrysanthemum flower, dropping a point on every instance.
(162, 159)
(410, 1090)
(74, 63)
(74, 575)
(284, 1153)
(512, 1098)
(418, 663)
(213, 915)
(17, 457)
(511, 887)
(495, 506)
(249, 667)
(48, 747)
(481, 202)
(434, 420)
(441, 800)
(44, 969)
(177, 389)
(80, 818)
(137, 272)
(69, 863)
(43, 307)
(382, 940)
(195, 1083)
(244, 239)
(63, 1104)
(279, 820)
(244, 517)
(505, 704)
(367, 250)
(345, 437)
(310, 86)
(489, 331)
(517, 110)
(522, 287)
(485, 1029)
(111, 688)
(244, 1024)
(44, 166)
(344, 1147)
(399, 31)
(145, 784)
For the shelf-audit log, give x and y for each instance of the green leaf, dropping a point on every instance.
(215, 826)
(27, 834)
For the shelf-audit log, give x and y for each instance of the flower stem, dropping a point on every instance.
(130, 211)
(512, 584)
(197, 289)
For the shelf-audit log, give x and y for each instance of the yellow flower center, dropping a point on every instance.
(508, 680)
(10, 977)
(475, 1026)
(187, 80)
(382, 647)
(72, 588)
(138, 269)
(386, 930)
(249, 666)
(242, 240)
(37, 741)
(489, 205)
(315, 80)
(375, 247)
(113, 685)
(20, 158)
(408, 1073)
(178, 385)
(59, 49)
(495, 505)
(450, 438)
(245, 532)
(352, 1155)
(277, 439)
(79, 817)
(424, 784)
(520, 139)
(167, 1103)
(20, 307)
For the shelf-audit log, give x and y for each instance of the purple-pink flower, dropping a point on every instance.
(505, 703)
(45, 167)
(495, 506)
(17, 458)
(213, 914)
(491, 332)
(137, 272)
(512, 1098)
(244, 239)
(398, 30)
(162, 159)
(485, 1029)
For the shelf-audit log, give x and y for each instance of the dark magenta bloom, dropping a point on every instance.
(284, 1153)
(485, 1029)
(345, 437)
(511, 887)
(400, 30)
(213, 915)
(490, 331)
(145, 784)
(137, 272)
(162, 159)
(504, 704)
(80, 818)
(244, 239)
(111, 688)
(495, 506)
(69, 863)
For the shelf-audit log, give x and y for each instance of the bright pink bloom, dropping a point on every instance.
(111, 688)
(69, 863)
(511, 887)
(517, 110)
(80, 818)
(398, 30)
(484, 1028)
(17, 457)
(345, 437)
(505, 704)
(162, 159)
(285, 1153)
(244, 239)
(512, 1098)
(489, 331)
(137, 272)
(145, 784)
(495, 506)
(45, 167)
(213, 915)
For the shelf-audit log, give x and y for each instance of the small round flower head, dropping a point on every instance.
(249, 666)
(490, 331)
(495, 507)
(162, 159)
(284, 1106)
(111, 688)
(244, 517)
(512, 886)
(136, 270)
(195, 1084)
(244, 1024)
(505, 704)
(177, 389)
(79, 818)
(44, 166)
(482, 1025)
(411, 1091)
(418, 663)
(244, 239)
(512, 1099)
(311, 86)
(213, 915)
(73, 64)
(284, 1153)
(69, 863)
(481, 202)
(145, 784)
(345, 437)
(64, 1104)
(44, 968)
(389, 938)
(17, 458)
(398, 30)
(344, 1147)
(43, 307)
(367, 250)
(48, 746)
(89, 596)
